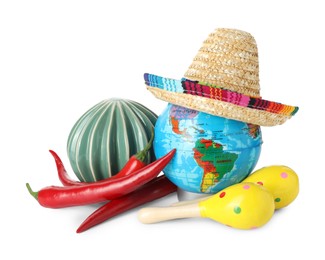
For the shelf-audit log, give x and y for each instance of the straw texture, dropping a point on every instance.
(223, 80)
(228, 58)
(221, 94)
(220, 108)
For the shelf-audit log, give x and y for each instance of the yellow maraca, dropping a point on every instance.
(280, 180)
(242, 206)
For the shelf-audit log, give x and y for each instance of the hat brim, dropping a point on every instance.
(172, 91)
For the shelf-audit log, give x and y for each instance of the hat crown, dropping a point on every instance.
(227, 59)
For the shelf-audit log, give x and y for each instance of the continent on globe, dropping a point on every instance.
(254, 130)
(178, 113)
(214, 161)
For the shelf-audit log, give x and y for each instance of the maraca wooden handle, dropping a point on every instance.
(154, 215)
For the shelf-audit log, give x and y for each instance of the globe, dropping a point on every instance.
(212, 152)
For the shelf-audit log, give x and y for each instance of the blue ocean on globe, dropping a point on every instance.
(212, 152)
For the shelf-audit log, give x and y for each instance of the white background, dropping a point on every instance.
(59, 58)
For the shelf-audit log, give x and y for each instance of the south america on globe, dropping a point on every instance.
(212, 152)
(213, 160)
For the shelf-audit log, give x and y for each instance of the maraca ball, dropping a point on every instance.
(242, 205)
(211, 152)
(106, 136)
(280, 180)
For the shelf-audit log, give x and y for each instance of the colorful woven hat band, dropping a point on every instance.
(218, 93)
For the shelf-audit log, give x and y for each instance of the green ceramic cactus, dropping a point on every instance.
(106, 136)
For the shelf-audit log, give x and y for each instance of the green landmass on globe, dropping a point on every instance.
(213, 160)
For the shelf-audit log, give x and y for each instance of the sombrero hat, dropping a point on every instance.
(223, 80)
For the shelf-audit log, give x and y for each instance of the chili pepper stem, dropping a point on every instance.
(33, 193)
(143, 154)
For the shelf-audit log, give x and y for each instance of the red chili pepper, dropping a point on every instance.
(59, 197)
(153, 190)
(135, 163)
(62, 173)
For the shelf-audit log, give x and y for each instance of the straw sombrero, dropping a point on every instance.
(223, 80)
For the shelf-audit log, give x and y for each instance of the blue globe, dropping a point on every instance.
(212, 152)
